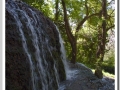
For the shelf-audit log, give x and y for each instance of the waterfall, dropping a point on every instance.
(37, 46)
(12, 8)
(63, 55)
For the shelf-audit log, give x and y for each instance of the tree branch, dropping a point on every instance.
(111, 13)
(84, 19)
(110, 27)
(87, 13)
(110, 2)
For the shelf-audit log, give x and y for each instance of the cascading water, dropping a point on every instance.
(37, 45)
(63, 55)
(70, 74)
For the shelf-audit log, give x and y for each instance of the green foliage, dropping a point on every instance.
(44, 6)
(87, 47)
(75, 10)
(109, 62)
(95, 21)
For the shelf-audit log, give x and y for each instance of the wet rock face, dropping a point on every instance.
(42, 45)
(17, 67)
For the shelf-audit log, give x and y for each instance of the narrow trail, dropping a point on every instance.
(82, 78)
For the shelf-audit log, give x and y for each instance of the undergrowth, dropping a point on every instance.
(106, 74)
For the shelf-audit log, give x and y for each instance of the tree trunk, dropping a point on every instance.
(71, 38)
(101, 41)
(56, 10)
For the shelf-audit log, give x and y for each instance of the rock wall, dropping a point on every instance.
(21, 17)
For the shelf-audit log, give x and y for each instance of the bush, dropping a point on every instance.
(108, 68)
(108, 64)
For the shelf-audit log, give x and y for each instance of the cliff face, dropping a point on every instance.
(33, 56)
